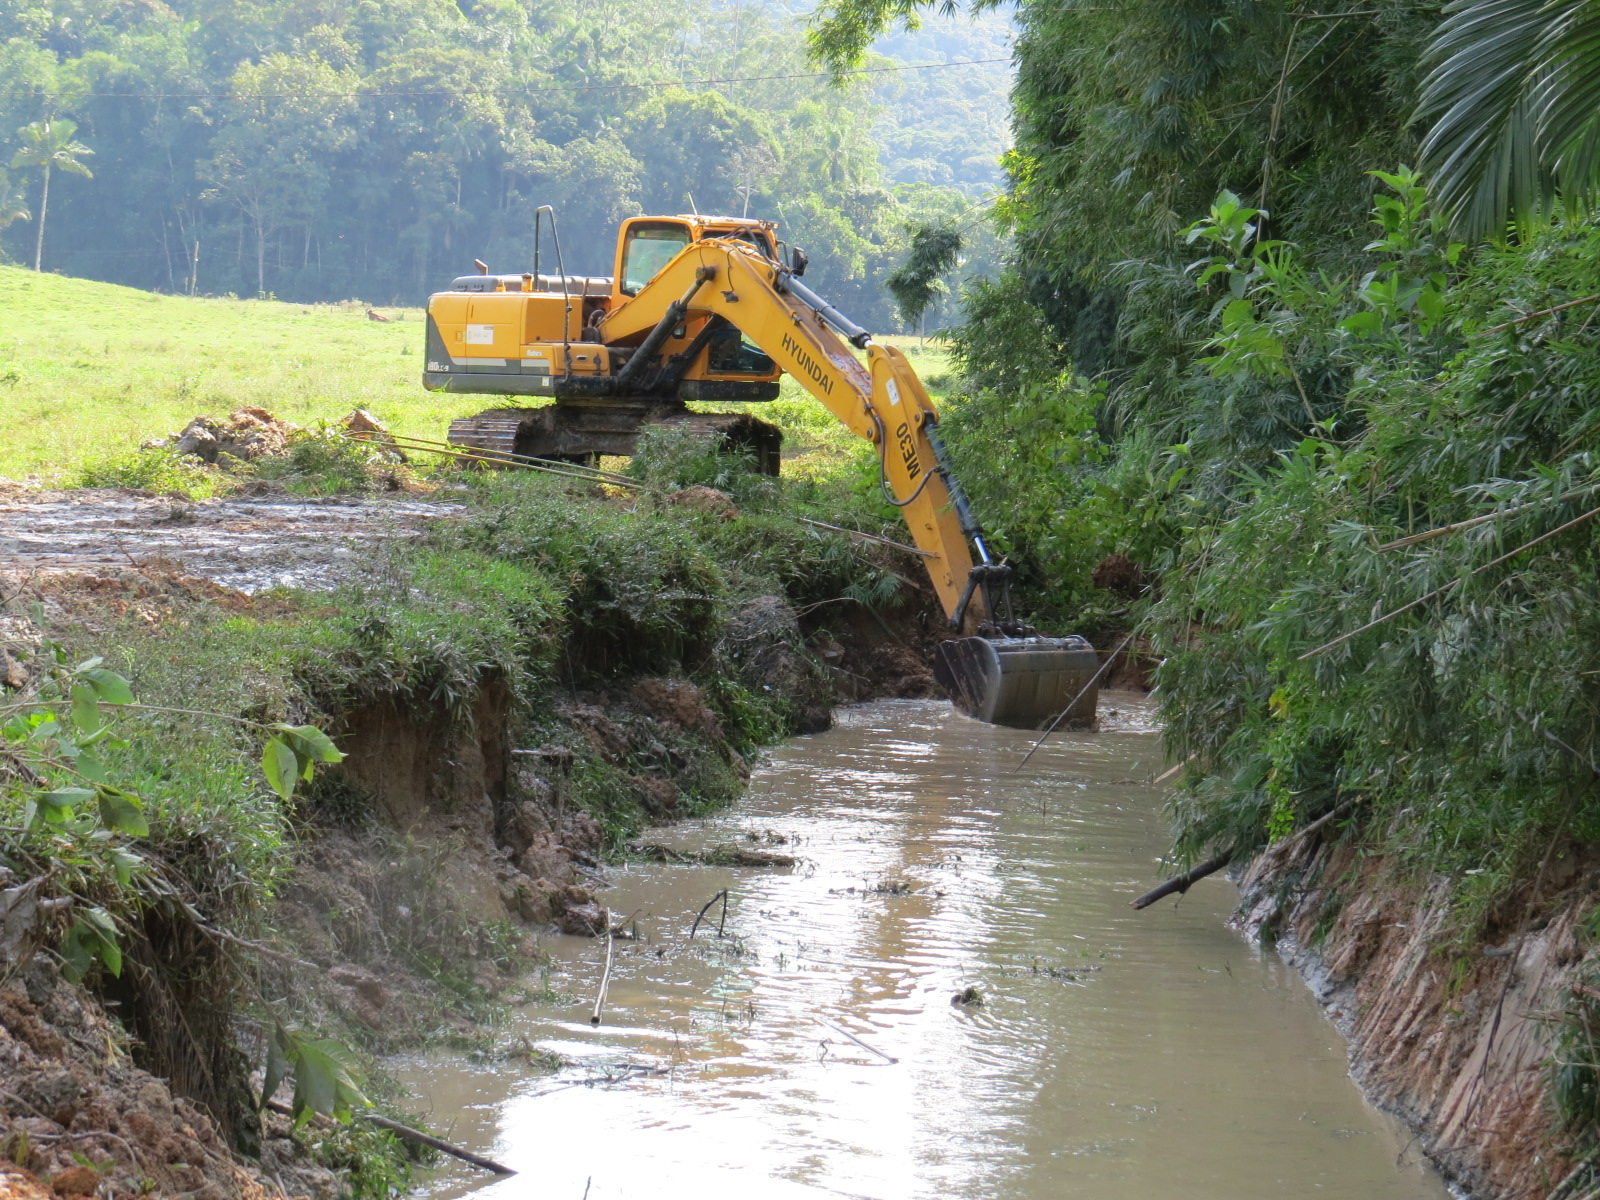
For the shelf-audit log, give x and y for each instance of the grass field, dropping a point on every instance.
(90, 370)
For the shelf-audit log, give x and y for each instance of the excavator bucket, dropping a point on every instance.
(1022, 682)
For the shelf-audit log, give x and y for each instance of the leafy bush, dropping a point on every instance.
(157, 470)
(1399, 612)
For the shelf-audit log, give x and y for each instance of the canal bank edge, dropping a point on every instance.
(1456, 1045)
(457, 827)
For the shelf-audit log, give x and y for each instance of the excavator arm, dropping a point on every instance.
(1005, 673)
(883, 401)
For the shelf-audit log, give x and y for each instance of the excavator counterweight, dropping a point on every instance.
(706, 308)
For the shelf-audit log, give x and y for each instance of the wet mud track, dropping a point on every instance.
(247, 543)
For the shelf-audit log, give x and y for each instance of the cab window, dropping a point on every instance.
(649, 248)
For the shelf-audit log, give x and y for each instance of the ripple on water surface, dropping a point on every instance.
(1117, 1055)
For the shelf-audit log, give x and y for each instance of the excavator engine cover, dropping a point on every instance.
(1022, 682)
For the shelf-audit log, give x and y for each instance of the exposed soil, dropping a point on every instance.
(1454, 1046)
(77, 1118)
(246, 542)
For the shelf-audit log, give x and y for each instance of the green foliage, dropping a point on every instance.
(326, 461)
(1510, 105)
(319, 156)
(915, 283)
(326, 1078)
(163, 471)
(669, 459)
(1444, 682)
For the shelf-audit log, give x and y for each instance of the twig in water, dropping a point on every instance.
(1181, 883)
(605, 976)
(1093, 679)
(888, 1058)
(723, 896)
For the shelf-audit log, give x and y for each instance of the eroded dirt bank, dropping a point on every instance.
(462, 826)
(1455, 1041)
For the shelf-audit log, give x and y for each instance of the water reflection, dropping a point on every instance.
(1115, 1055)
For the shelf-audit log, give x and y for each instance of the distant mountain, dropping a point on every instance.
(947, 125)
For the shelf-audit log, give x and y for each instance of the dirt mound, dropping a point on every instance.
(705, 499)
(764, 641)
(248, 433)
(677, 703)
(71, 1097)
(1121, 576)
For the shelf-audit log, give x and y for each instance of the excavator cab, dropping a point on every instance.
(705, 308)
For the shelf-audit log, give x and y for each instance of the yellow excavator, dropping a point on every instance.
(712, 308)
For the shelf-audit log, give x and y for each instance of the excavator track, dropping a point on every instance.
(584, 432)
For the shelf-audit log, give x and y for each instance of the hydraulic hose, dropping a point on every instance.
(883, 466)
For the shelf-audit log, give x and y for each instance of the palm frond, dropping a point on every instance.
(1512, 100)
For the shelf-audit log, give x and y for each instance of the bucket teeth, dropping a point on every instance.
(1022, 682)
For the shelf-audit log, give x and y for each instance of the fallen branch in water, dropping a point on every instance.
(433, 1143)
(1181, 883)
(605, 976)
(889, 1058)
(723, 896)
(411, 1135)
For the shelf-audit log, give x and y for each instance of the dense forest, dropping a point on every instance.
(1300, 319)
(319, 151)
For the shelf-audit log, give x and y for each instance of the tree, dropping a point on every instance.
(1514, 101)
(934, 252)
(48, 145)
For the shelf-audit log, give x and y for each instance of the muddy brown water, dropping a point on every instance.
(1117, 1055)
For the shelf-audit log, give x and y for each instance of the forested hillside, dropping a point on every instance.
(374, 150)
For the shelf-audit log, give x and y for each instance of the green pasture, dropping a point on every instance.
(89, 370)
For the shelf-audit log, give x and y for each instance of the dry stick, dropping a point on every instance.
(1474, 522)
(605, 976)
(723, 896)
(1181, 883)
(433, 1143)
(410, 1134)
(889, 1058)
(1543, 312)
(1170, 773)
(1093, 679)
(1439, 591)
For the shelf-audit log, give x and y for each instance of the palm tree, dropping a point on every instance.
(1513, 101)
(49, 144)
